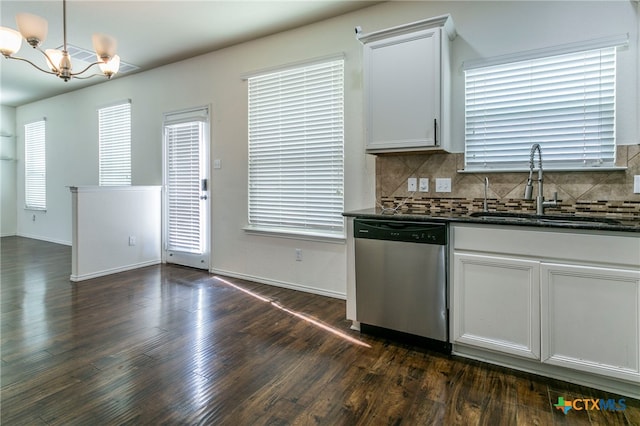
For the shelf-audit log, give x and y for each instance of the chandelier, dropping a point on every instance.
(34, 29)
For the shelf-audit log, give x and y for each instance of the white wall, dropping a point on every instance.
(103, 221)
(8, 210)
(485, 29)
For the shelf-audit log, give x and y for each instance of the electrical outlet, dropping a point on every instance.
(132, 240)
(298, 255)
(636, 184)
(412, 184)
(423, 184)
(443, 184)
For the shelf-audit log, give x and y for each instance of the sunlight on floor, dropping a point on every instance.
(296, 314)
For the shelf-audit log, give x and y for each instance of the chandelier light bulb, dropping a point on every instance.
(10, 41)
(111, 67)
(33, 28)
(104, 46)
(54, 56)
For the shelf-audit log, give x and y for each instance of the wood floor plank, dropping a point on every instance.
(173, 345)
(528, 416)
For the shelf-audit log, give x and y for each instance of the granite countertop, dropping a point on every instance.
(591, 222)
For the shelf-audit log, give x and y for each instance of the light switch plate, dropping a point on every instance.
(423, 185)
(636, 184)
(443, 184)
(412, 184)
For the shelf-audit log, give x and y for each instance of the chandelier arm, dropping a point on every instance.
(86, 77)
(29, 62)
(74, 74)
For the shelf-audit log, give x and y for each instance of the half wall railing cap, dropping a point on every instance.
(107, 188)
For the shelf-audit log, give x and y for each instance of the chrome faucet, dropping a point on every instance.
(541, 204)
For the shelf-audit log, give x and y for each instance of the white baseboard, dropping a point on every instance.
(8, 234)
(97, 274)
(292, 286)
(41, 238)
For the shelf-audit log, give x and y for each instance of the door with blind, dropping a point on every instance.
(186, 188)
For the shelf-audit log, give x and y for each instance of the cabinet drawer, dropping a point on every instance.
(589, 247)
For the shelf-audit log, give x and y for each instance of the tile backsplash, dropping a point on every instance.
(604, 192)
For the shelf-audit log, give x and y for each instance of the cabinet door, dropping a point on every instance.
(591, 319)
(496, 304)
(402, 90)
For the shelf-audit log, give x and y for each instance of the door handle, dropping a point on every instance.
(203, 197)
(435, 131)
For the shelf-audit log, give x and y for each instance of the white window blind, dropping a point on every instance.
(35, 166)
(565, 103)
(114, 128)
(296, 149)
(183, 184)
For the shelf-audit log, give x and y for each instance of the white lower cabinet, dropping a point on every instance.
(590, 319)
(497, 302)
(549, 301)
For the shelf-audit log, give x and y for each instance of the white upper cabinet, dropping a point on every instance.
(407, 86)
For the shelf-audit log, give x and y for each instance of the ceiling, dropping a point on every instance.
(150, 33)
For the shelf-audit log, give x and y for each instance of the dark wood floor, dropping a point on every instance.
(172, 345)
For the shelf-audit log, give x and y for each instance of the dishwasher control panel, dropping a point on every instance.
(416, 232)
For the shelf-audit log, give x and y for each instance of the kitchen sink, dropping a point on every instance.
(512, 217)
(551, 219)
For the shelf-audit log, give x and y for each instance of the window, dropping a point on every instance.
(35, 166)
(114, 134)
(564, 102)
(296, 149)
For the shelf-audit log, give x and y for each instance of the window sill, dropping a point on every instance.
(337, 238)
(562, 169)
(35, 209)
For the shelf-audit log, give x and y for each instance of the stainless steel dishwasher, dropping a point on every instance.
(401, 277)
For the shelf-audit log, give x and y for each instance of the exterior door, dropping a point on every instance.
(186, 188)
